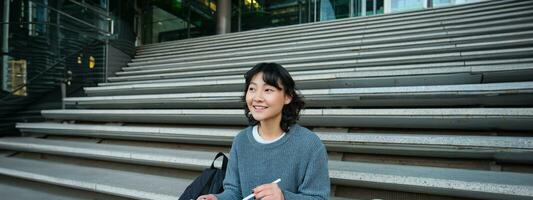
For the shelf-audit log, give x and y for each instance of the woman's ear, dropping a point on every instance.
(288, 99)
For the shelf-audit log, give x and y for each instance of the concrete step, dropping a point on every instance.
(364, 51)
(490, 94)
(386, 39)
(19, 189)
(515, 149)
(325, 67)
(389, 57)
(419, 33)
(396, 39)
(322, 32)
(381, 78)
(182, 134)
(368, 38)
(519, 119)
(159, 157)
(255, 50)
(116, 182)
(297, 70)
(431, 180)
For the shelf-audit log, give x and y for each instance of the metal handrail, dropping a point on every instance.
(51, 24)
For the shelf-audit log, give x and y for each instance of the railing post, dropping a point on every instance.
(63, 94)
(107, 74)
(5, 46)
(67, 79)
(111, 23)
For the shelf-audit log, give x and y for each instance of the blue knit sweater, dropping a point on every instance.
(299, 159)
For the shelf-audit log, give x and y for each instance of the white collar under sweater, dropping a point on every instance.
(259, 139)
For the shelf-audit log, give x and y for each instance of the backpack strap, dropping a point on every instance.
(224, 161)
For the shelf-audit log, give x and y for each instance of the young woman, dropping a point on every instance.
(274, 146)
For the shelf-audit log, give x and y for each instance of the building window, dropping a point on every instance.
(406, 5)
(439, 3)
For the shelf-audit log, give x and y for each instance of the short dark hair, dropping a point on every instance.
(273, 74)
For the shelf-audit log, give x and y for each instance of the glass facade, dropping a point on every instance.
(407, 5)
(46, 33)
(253, 14)
(163, 20)
(51, 41)
(440, 3)
(373, 7)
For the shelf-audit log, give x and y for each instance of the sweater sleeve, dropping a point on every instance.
(316, 183)
(232, 189)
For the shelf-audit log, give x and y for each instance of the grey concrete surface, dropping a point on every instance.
(441, 118)
(116, 182)
(517, 149)
(490, 94)
(19, 189)
(432, 180)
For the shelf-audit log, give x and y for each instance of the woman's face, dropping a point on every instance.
(264, 101)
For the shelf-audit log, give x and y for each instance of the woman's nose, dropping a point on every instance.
(258, 96)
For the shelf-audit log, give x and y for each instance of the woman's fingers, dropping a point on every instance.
(203, 197)
(262, 194)
(269, 191)
(207, 197)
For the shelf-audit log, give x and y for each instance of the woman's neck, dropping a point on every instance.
(270, 130)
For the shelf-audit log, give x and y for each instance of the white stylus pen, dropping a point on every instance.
(252, 195)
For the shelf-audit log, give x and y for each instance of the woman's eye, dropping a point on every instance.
(251, 89)
(269, 90)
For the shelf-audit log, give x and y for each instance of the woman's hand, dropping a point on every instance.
(269, 191)
(207, 197)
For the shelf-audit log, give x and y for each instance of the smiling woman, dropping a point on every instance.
(273, 146)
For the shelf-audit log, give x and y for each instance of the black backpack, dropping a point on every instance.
(209, 182)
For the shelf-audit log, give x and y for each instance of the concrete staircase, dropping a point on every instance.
(433, 104)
